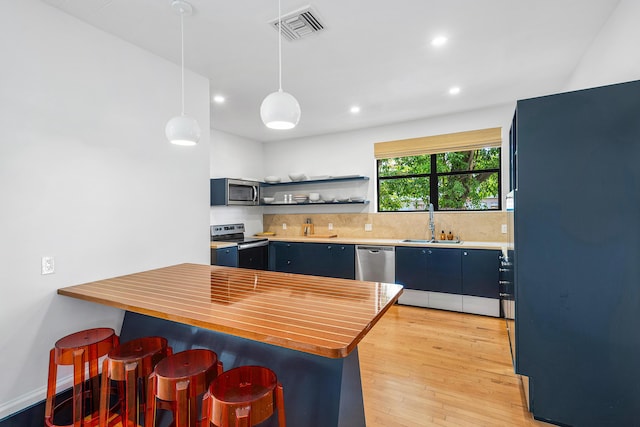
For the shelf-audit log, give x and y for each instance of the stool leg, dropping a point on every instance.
(51, 388)
(282, 422)
(243, 416)
(150, 409)
(78, 387)
(182, 416)
(104, 393)
(130, 414)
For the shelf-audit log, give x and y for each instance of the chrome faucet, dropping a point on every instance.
(432, 223)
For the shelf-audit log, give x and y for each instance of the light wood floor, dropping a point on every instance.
(424, 367)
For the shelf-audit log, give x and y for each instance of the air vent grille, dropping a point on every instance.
(299, 23)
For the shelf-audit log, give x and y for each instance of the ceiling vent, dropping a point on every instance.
(299, 24)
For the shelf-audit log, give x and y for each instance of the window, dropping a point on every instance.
(465, 179)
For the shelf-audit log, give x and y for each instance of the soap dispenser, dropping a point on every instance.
(442, 235)
(450, 235)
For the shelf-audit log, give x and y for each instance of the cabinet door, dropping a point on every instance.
(279, 257)
(342, 263)
(444, 270)
(480, 274)
(411, 267)
(227, 257)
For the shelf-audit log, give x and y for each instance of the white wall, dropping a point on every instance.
(86, 176)
(351, 153)
(232, 156)
(613, 57)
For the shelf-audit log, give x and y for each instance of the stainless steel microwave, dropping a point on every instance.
(230, 191)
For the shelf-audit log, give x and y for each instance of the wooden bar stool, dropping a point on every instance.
(179, 380)
(244, 396)
(78, 349)
(131, 362)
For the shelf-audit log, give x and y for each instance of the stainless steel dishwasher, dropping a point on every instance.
(376, 263)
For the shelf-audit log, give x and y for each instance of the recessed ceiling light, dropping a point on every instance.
(218, 99)
(454, 90)
(439, 41)
(355, 109)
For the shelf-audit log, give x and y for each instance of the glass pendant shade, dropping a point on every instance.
(183, 130)
(280, 110)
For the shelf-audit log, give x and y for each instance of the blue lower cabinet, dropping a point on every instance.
(480, 273)
(317, 259)
(444, 270)
(411, 267)
(227, 257)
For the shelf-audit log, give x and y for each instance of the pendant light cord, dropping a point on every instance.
(182, 54)
(279, 47)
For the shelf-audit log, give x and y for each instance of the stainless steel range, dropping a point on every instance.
(252, 252)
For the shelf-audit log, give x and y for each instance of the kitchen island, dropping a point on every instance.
(305, 328)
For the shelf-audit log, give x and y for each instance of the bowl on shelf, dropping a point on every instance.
(271, 179)
(297, 176)
(314, 197)
(341, 199)
(357, 198)
(268, 199)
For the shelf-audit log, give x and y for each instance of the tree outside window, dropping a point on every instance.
(460, 180)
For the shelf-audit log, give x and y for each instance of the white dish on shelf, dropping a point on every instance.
(319, 177)
(356, 198)
(341, 199)
(268, 199)
(271, 179)
(297, 176)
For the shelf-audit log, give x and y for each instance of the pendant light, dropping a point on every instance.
(280, 110)
(182, 129)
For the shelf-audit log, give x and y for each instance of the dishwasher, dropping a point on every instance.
(376, 263)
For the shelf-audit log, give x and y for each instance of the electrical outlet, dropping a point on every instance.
(504, 228)
(284, 225)
(330, 226)
(48, 266)
(368, 227)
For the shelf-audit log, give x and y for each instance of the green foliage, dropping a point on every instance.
(406, 186)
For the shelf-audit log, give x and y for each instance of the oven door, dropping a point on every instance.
(254, 255)
(241, 192)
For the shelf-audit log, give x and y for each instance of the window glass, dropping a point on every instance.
(404, 194)
(411, 165)
(461, 180)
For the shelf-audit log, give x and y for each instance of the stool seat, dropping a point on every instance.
(180, 379)
(130, 362)
(78, 349)
(244, 396)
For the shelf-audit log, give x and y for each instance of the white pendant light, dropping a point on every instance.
(182, 129)
(280, 110)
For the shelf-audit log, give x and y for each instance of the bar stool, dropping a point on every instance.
(130, 362)
(244, 396)
(78, 349)
(179, 380)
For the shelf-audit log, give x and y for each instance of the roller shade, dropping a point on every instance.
(459, 141)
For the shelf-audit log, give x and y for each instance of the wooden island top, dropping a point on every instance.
(318, 315)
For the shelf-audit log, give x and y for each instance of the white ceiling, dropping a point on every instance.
(373, 53)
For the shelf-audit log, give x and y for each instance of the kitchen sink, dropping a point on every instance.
(430, 241)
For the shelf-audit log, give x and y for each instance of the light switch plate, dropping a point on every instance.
(368, 227)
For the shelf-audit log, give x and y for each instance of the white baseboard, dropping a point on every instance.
(23, 401)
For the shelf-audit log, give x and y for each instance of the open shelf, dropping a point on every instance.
(317, 181)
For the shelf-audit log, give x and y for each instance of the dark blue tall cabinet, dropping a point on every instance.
(577, 254)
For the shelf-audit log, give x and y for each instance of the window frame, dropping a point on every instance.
(433, 176)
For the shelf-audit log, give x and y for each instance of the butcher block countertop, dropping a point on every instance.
(318, 315)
